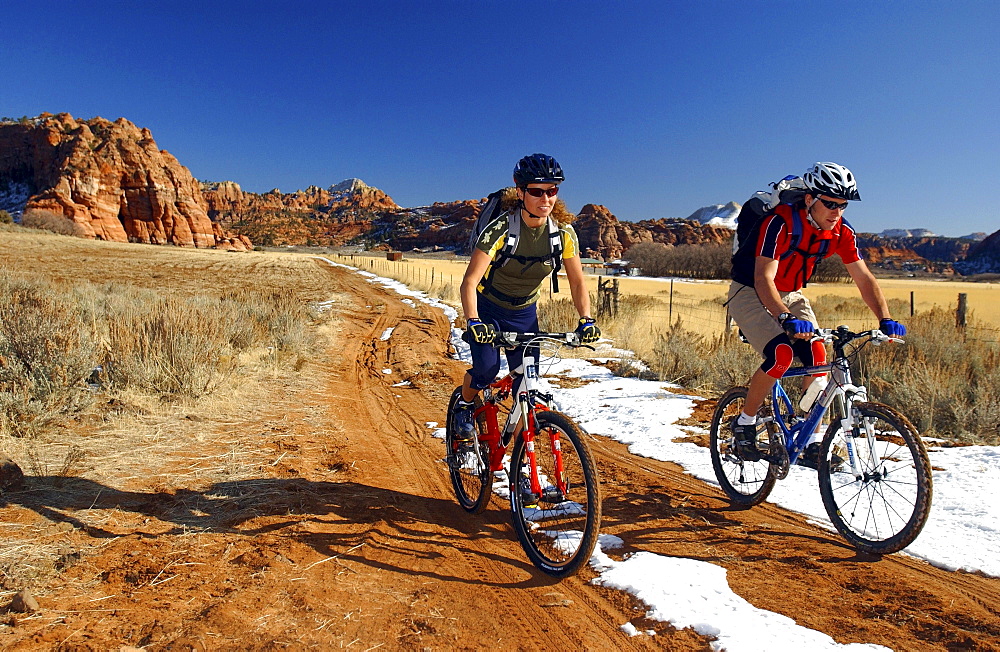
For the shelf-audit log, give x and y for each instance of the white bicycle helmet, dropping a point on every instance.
(832, 180)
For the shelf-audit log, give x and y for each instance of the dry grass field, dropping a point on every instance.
(699, 303)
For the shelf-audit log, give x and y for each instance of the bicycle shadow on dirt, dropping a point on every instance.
(347, 513)
(664, 523)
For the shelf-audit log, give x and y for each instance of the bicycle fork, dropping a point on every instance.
(553, 493)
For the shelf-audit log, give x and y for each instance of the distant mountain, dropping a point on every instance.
(983, 258)
(908, 233)
(978, 236)
(723, 215)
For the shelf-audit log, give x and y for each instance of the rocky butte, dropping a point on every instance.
(110, 179)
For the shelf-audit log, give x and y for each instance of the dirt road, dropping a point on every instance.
(348, 537)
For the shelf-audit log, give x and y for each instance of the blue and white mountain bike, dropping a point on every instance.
(874, 475)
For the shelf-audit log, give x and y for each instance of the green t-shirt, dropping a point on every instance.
(518, 279)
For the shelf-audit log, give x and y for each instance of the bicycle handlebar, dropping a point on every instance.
(512, 340)
(842, 335)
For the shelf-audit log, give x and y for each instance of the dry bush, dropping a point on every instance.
(943, 381)
(189, 346)
(49, 221)
(6, 218)
(62, 346)
(46, 352)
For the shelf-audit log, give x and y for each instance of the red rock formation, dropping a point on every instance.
(603, 236)
(111, 179)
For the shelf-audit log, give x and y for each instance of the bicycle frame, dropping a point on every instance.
(841, 392)
(526, 403)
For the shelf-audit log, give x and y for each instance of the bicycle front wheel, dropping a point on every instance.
(882, 503)
(468, 464)
(557, 528)
(746, 483)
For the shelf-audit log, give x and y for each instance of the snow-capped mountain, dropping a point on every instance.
(718, 215)
(908, 233)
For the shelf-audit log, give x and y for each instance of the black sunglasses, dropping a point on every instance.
(832, 205)
(538, 192)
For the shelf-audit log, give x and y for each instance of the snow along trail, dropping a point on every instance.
(961, 533)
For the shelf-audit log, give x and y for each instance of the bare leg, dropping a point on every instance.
(760, 387)
(468, 394)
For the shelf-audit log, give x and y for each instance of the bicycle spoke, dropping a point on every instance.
(884, 508)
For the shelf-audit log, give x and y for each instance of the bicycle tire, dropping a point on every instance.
(558, 532)
(469, 471)
(885, 509)
(746, 483)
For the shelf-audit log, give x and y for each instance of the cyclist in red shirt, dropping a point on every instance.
(772, 267)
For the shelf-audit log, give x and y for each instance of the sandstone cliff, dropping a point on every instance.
(110, 179)
(983, 258)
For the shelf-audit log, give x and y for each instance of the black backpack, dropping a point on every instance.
(789, 190)
(496, 204)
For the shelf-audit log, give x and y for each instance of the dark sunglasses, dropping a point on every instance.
(538, 192)
(832, 205)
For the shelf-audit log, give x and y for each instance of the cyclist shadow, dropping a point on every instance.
(330, 517)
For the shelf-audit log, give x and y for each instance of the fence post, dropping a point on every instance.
(963, 309)
(911, 303)
(670, 319)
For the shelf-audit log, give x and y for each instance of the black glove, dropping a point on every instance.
(588, 330)
(891, 327)
(481, 333)
(795, 326)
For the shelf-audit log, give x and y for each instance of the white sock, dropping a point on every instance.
(746, 420)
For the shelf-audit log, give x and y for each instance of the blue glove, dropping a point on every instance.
(588, 330)
(795, 326)
(481, 333)
(891, 327)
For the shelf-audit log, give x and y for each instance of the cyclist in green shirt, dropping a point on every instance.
(500, 289)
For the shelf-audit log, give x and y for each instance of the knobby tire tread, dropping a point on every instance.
(567, 428)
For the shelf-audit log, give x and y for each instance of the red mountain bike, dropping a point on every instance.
(551, 478)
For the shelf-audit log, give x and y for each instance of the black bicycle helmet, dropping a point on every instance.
(537, 168)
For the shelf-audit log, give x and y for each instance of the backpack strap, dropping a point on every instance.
(556, 252)
(796, 239)
(507, 253)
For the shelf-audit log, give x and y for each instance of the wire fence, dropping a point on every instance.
(697, 315)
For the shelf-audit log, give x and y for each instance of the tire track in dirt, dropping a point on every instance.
(524, 605)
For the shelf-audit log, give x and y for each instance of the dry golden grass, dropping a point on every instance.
(131, 437)
(693, 301)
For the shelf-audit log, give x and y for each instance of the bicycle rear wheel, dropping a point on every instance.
(468, 464)
(557, 530)
(883, 509)
(746, 483)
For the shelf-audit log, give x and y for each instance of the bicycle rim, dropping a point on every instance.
(557, 531)
(469, 469)
(883, 507)
(746, 483)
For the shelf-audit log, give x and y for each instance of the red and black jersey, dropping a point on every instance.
(787, 236)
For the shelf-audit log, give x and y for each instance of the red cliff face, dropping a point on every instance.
(603, 236)
(111, 179)
(318, 216)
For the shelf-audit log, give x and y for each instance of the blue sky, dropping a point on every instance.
(654, 109)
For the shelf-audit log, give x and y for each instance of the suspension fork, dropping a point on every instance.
(529, 432)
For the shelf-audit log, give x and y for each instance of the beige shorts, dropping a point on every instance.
(757, 324)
